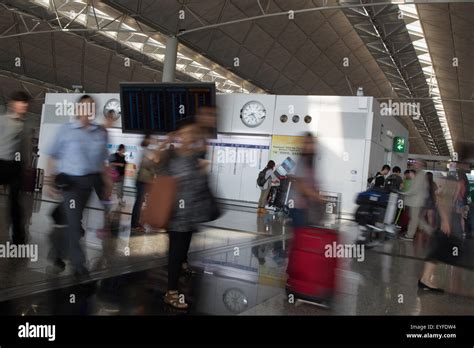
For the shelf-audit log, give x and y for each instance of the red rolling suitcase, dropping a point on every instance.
(404, 219)
(312, 275)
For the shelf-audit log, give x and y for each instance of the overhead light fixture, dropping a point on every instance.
(77, 88)
(415, 29)
(148, 42)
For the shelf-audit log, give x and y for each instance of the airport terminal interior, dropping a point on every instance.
(236, 157)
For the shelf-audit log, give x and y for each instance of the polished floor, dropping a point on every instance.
(240, 260)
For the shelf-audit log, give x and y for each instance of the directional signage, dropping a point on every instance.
(399, 144)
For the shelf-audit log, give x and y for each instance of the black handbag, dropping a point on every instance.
(452, 250)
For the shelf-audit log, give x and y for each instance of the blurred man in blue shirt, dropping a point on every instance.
(77, 164)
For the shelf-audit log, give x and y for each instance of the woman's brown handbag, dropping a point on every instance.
(159, 202)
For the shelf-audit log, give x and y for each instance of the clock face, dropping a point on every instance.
(235, 300)
(253, 114)
(114, 106)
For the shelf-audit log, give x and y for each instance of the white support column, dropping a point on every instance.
(171, 53)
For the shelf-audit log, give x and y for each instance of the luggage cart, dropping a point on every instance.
(375, 216)
(278, 198)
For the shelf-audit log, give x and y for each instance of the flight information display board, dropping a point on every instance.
(158, 107)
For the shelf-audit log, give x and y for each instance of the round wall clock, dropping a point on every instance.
(114, 106)
(253, 114)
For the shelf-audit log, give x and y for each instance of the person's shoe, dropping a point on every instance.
(175, 300)
(59, 264)
(405, 238)
(423, 286)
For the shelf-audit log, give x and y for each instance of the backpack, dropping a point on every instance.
(261, 178)
(392, 184)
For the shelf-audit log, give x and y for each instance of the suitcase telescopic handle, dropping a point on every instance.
(317, 250)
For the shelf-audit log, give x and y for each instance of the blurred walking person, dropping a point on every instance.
(77, 161)
(449, 227)
(430, 203)
(462, 197)
(12, 154)
(311, 274)
(307, 191)
(408, 176)
(189, 206)
(415, 200)
(118, 164)
(144, 176)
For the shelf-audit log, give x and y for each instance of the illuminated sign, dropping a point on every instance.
(399, 144)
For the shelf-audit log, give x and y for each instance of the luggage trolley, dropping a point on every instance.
(278, 198)
(375, 216)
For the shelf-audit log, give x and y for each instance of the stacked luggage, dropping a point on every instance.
(279, 195)
(376, 213)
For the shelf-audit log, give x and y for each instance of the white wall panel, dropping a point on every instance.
(341, 173)
(346, 104)
(225, 109)
(296, 105)
(236, 162)
(382, 142)
(341, 124)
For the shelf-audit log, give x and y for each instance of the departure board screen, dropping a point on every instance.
(158, 107)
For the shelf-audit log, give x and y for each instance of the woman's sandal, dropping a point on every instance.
(172, 298)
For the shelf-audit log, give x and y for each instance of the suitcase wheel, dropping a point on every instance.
(322, 302)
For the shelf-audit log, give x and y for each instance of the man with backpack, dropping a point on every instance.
(263, 182)
(394, 182)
